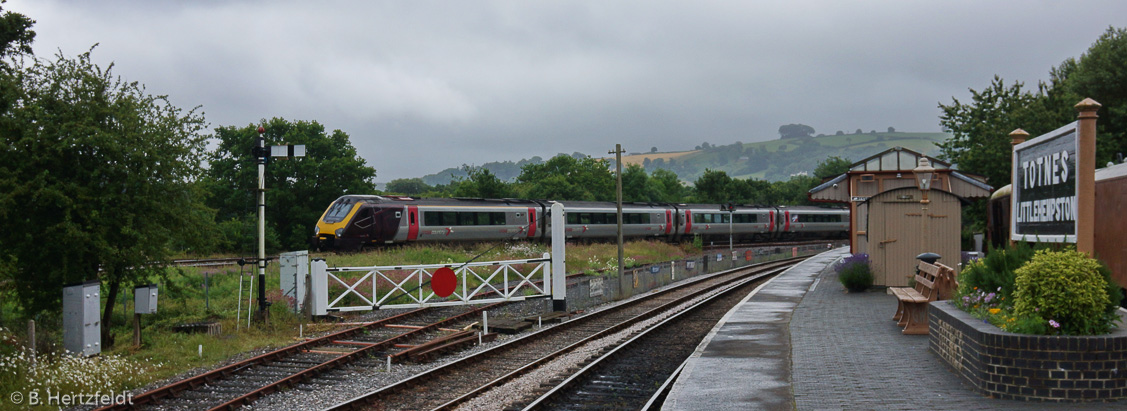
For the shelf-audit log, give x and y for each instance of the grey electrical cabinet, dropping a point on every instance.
(145, 299)
(294, 269)
(82, 327)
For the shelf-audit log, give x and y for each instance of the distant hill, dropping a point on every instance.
(773, 160)
(779, 159)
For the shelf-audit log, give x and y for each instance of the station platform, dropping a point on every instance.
(801, 342)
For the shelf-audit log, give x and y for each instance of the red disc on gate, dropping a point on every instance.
(443, 282)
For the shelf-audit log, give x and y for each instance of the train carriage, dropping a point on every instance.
(596, 220)
(748, 223)
(812, 223)
(440, 220)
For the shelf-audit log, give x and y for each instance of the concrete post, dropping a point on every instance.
(1086, 175)
(559, 268)
(320, 286)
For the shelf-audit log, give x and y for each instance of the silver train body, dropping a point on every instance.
(354, 221)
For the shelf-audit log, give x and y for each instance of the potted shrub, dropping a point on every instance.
(854, 272)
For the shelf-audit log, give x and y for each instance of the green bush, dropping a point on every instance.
(995, 271)
(1068, 290)
(854, 272)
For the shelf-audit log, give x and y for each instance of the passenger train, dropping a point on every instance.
(355, 221)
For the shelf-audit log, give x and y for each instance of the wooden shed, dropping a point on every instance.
(899, 227)
(886, 213)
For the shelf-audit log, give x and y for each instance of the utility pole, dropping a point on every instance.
(618, 171)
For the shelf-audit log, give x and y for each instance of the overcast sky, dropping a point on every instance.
(424, 85)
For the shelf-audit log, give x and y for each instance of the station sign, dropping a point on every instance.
(1043, 205)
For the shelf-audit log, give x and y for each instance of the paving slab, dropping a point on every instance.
(802, 342)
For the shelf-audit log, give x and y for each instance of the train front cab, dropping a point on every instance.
(353, 221)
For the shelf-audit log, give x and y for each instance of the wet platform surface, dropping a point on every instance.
(801, 342)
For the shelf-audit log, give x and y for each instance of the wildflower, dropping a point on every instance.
(995, 310)
(1054, 324)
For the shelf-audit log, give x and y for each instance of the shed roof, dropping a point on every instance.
(900, 159)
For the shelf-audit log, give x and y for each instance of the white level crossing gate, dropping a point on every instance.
(381, 287)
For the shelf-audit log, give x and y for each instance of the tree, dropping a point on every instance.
(635, 184)
(297, 190)
(980, 141)
(891, 130)
(567, 178)
(96, 181)
(653, 149)
(1100, 75)
(832, 167)
(481, 183)
(714, 187)
(795, 131)
(793, 191)
(408, 186)
(665, 186)
(16, 35)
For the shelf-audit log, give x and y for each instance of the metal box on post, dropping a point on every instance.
(82, 327)
(145, 299)
(294, 269)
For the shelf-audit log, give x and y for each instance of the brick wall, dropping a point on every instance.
(1029, 367)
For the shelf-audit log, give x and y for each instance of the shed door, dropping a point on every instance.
(902, 236)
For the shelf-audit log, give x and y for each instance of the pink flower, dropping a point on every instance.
(1054, 324)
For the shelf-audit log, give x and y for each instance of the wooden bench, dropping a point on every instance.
(947, 284)
(911, 308)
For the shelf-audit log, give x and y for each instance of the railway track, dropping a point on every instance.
(458, 382)
(241, 383)
(637, 373)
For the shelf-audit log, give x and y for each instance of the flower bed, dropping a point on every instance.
(1029, 367)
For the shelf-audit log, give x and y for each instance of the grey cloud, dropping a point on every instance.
(425, 85)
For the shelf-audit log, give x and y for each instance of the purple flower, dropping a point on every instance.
(1054, 324)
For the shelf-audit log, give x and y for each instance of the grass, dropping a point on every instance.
(197, 294)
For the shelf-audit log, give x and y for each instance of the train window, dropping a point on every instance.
(573, 218)
(464, 218)
(819, 218)
(338, 211)
(745, 218)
